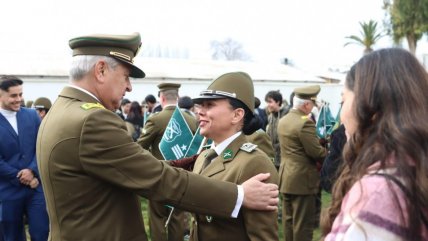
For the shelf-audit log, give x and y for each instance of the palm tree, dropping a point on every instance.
(369, 36)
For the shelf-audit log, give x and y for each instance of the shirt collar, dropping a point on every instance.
(83, 90)
(7, 112)
(167, 105)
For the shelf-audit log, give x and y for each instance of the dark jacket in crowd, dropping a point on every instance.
(261, 113)
(271, 130)
(333, 159)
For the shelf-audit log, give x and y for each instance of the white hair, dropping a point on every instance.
(82, 64)
(298, 102)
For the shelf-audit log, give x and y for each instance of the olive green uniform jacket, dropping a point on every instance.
(300, 149)
(236, 165)
(92, 172)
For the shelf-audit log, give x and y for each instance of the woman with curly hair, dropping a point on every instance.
(382, 191)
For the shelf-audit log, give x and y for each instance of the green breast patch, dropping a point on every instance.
(227, 154)
(88, 106)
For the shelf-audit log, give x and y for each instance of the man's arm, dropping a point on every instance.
(8, 172)
(259, 195)
(250, 189)
(125, 164)
(310, 141)
(26, 175)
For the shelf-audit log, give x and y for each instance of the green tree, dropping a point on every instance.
(369, 36)
(407, 19)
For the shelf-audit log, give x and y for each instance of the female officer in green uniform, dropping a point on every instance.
(226, 116)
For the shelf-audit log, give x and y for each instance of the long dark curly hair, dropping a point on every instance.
(391, 109)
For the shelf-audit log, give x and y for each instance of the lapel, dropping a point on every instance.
(219, 163)
(8, 127)
(21, 122)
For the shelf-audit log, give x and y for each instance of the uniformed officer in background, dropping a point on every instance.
(42, 106)
(299, 177)
(150, 138)
(226, 116)
(29, 104)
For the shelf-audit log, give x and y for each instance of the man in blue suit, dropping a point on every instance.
(20, 188)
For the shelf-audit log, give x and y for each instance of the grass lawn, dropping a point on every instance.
(326, 199)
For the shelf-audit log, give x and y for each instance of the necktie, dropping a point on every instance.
(211, 154)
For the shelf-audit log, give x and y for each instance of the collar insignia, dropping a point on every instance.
(227, 154)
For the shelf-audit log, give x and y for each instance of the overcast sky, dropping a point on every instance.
(311, 33)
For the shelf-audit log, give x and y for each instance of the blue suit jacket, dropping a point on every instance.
(17, 152)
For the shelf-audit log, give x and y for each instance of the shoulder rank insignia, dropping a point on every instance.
(88, 106)
(248, 147)
(260, 130)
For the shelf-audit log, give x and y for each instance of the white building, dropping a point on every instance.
(42, 79)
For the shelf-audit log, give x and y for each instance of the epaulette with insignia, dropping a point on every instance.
(248, 147)
(88, 106)
(260, 130)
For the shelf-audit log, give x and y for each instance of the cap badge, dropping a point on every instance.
(218, 92)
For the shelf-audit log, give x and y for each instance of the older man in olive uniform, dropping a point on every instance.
(299, 177)
(92, 170)
(149, 140)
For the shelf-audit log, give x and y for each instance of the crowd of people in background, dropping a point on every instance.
(374, 163)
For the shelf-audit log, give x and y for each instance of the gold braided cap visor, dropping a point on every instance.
(121, 47)
(213, 94)
(124, 55)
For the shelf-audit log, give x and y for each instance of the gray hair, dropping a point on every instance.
(297, 102)
(82, 64)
